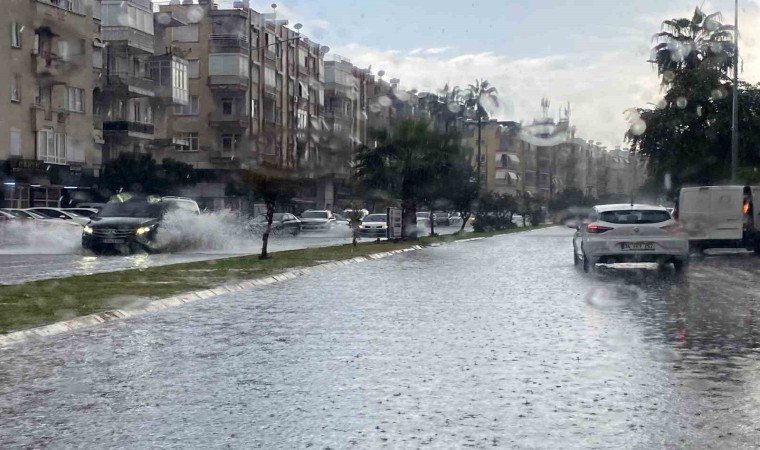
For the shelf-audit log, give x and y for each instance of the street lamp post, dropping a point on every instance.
(735, 105)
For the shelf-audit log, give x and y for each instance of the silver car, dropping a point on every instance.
(630, 233)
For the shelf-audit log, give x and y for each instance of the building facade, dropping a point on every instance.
(48, 147)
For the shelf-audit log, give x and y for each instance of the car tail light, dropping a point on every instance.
(747, 207)
(597, 229)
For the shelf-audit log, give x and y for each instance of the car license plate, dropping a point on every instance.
(637, 245)
(113, 241)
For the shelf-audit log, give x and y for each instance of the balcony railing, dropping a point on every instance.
(228, 81)
(67, 5)
(118, 126)
(228, 41)
(234, 120)
(135, 38)
(134, 83)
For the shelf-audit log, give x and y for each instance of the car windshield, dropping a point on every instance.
(316, 215)
(19, 214)
(423, 215)
(133, 207)
(634, 216)
(84, 212)
(376, 218)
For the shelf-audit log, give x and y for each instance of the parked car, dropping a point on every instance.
(317, 220)
(423, 219)
(130, 222)
(95, 206)
(37, 219)
(374, 226)
(58, 213)
(720, 216)
(6, 216)
(630, 233)
(441, 218)
(84, 212)
(340, 220)
(455, 220)
(281, 223)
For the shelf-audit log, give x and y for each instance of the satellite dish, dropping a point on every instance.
(324, 49)
(380, 73)
(274, 5)
(298, 26)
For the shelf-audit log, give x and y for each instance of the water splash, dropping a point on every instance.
(38, 237)
(225, 231)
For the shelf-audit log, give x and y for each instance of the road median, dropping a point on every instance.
(100, 297)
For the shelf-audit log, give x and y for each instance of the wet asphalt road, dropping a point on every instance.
(496, 343)
(20, 264)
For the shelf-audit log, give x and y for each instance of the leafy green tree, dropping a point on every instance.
(462, 190)
(479, 97)
(687, 135)
(405, 164)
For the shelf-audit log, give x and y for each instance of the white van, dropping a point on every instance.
(720, 216)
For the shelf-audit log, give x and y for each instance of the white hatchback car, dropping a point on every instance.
(630, 233)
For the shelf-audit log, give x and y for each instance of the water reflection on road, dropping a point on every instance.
(492, 343)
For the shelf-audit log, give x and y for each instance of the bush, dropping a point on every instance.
(537, 217)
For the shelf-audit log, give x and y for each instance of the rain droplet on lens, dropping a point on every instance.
(717, 94)
(163, 18)
(384, 101)
(195, 14)
(661, 104)
(638, 127)
(375, 108)
(454, 107)
(668, 182)
(699, 110)
(681, 102)
(668, 75)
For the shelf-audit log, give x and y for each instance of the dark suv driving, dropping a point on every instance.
(129, 223)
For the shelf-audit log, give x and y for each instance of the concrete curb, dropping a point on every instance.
(78, 323)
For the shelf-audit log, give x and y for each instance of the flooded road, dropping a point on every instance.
(19, 264)
(495, 343)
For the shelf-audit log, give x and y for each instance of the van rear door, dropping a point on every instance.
(694, 211)
(726, 218)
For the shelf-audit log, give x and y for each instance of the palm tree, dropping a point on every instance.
(701, 42)
(475, 96)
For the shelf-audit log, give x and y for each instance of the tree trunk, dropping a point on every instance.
(267, 231)
(465, 218)
(480, 125)
(409, 219)
(432, 223)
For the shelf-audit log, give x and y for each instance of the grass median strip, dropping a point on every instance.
(42, 302)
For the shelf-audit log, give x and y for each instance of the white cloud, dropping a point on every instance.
(437, 50)
(599, 87)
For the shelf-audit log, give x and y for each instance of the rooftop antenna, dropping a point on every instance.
(545, 107)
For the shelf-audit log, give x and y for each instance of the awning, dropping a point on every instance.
(501, 175)
(513, 158)
(512, 176)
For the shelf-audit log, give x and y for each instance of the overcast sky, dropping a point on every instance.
(590, 53)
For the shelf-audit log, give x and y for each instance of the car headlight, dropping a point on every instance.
(142, 230)
(87, 229)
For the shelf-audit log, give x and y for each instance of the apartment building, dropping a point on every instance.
(51, 49)
(544, 157)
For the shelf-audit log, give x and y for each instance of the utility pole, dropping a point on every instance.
(735, 105)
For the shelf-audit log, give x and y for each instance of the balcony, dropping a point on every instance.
(136, 130)
(235, 120)
(224, 42)
(131, 37)
(228, 82)
(131, 85)
(270, 54)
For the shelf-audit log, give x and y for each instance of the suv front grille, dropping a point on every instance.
(113, 232)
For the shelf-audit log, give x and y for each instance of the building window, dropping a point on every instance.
(63, 50)
(255, 77)
(51, 147)
(75, 99)
(191, 109)
(232, 64)
(269, 77)
(15, 142)
(16, 88)
(228, 107)
(254, 108)
(97, 57)
(193, 68)
(230, 143)
(188, 33)
(187, 142)
(16, 29)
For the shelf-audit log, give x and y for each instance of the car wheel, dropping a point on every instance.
(587, 265)
(680, 265)
(576, 260)
(296, 231)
